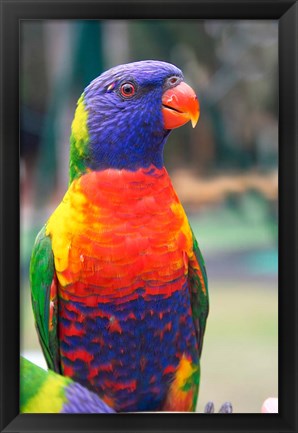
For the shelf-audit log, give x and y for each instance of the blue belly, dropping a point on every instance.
(155, 333)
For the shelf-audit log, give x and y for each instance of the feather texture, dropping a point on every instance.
(47, 392)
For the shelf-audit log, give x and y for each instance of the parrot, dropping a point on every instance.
(118, 282)
(44, 391)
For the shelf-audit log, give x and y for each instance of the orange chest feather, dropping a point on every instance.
(118, 229)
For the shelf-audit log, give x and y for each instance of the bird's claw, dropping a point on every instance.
(225, 407)
(209, 408)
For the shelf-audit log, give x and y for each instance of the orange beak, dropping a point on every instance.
(179, 106)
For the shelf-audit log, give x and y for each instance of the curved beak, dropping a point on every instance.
(179, 106)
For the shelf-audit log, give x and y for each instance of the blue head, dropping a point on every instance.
(120, 121)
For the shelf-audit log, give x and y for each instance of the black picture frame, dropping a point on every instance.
(286, 12)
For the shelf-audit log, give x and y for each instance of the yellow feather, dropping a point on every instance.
(50, 397)
(79, 125)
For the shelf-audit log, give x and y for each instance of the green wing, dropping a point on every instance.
(43, 282)
(198, 283)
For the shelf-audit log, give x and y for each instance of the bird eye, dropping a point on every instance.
(127, 90)
(173, 80)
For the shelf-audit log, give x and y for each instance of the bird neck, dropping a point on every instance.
(79, 142)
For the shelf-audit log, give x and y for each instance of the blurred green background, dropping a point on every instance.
(225, 171)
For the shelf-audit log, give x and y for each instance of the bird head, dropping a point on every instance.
(125, 115)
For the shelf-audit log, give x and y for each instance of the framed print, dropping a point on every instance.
(148, 268)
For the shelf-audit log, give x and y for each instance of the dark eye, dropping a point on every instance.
(127, 90)
(173, 80)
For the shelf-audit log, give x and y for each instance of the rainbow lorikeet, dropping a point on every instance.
(46, 391)
(119, 286)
